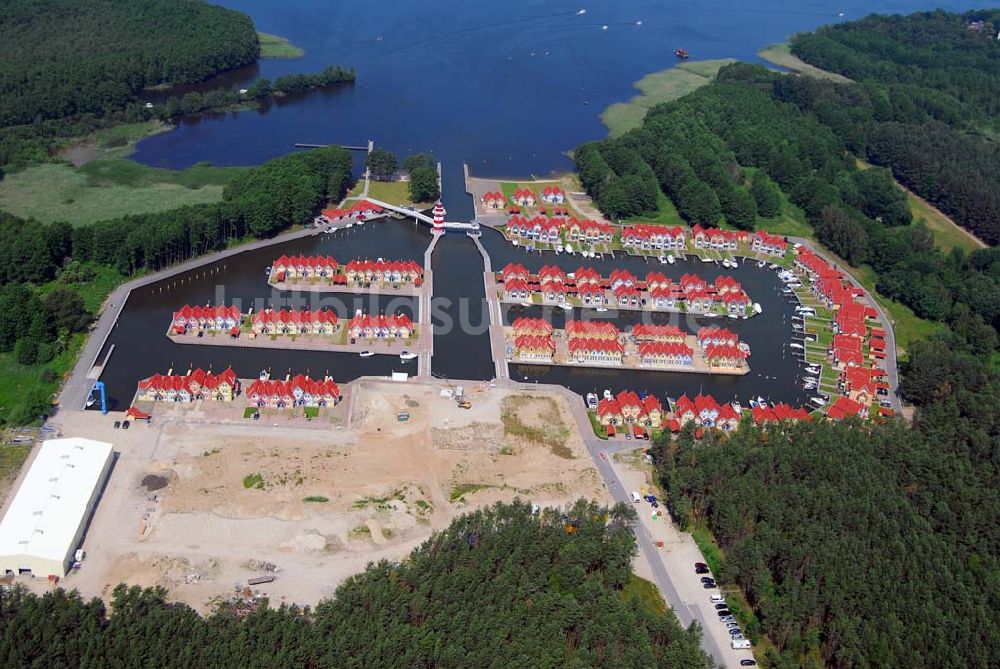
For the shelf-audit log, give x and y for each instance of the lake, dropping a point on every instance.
(506, 87)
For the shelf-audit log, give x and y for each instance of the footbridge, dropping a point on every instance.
(424, 218)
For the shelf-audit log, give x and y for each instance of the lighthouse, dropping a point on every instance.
(439, 213)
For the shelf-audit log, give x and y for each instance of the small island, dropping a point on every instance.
(278, 48)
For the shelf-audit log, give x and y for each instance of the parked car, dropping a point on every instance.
(698, 565)
(708, 586)
(716, 599)
(735, 631)
(724, 612)
(747, 662)
(732, 625)
(706, 579)
(727, 619)
(719, 607)
(702, 570)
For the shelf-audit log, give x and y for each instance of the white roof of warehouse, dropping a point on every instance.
(44, 516)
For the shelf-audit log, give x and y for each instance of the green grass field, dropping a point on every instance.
(273, 46)
(93, 292)
(947, 235)
(394, 192)
(666, 213)
(670, 84)
(105, 189)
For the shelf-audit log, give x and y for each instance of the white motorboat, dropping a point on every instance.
(663, 260)
(367, 354)
(707, 260)
(601, 309)
(526, 304)
(818, 401)
(745, 347)
(268, 270)
(263, 375)
(607, 394)
(407, 355)
(761, 402)
(566, 307)
(760, 263)
(733, 316)
(591, 401)
(798, 346)
(670, 259)
(91, 400)
(757, 308)
(559, 248)
(753, 404)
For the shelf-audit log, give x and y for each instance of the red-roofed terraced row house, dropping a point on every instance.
(714, 238)
(195, 385)
(704, 411)
(534, 347)
(768, 244)
(592, 330)
(664, 354)
(384, 271)
(397, 326)
(289, 268)
(294, 321)
(589, 231)
(627, 408)
(653, 237)
(211, 319)
(300, 390)
(595, 351)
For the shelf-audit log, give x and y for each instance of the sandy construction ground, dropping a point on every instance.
(200, 507)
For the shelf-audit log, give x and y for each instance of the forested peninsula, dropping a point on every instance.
(500, 587)
(855, 544)
(71, 67)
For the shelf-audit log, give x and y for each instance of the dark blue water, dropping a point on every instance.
(506, 87)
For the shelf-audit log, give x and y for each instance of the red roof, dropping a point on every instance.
(286, 390)
(531, 324)
(577, 329)
(653, 331)
(397, 321)
(191, 382)
(844, 407)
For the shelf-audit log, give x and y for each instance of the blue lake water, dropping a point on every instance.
(506, 87)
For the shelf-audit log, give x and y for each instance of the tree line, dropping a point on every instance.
(500, 587)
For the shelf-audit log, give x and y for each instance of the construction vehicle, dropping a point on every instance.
(464, 404)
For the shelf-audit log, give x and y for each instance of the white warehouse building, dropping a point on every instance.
(45, 521)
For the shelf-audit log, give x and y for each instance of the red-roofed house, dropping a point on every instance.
(524, 197)
(553, 195)
(534, 347)
(596, 351)
(195, 385)
(396, 326)
(671, 334)
(664, 354)
(300, 390)
(592, 330)
(494, 200)
(766, 243)
(210, 319)
(531, 326)
(845, 407)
